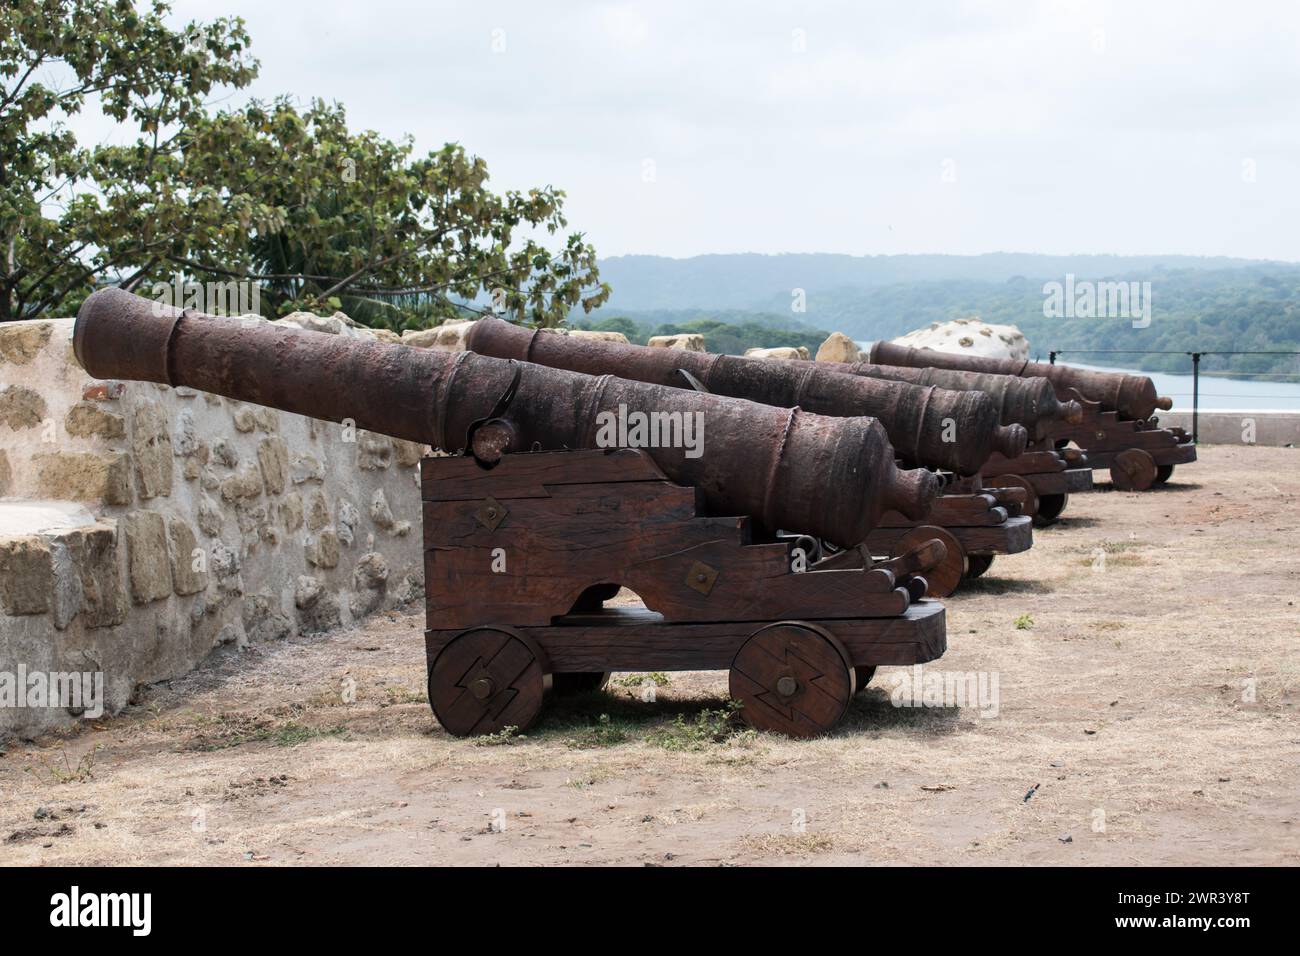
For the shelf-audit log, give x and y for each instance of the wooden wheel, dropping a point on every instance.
(792, 678)
(944, 577)
(1018, 481)
(1133, 470)
(1050, 508)
(487, 679)
(862, 677)
(578, 682)
(1163, 473)
(977, 564)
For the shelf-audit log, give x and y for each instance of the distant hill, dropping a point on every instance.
(1200, 304)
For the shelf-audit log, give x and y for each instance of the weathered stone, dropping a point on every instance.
(67, 585)
(318, 512)
(191, 468)
(307, 468)
(26, 575)
(318, 610)
(336, 324)
(349, 517)
(85, 476)
(93, 550)
(273, 458)
(86, 419)
(246, 482)
(148, 563)
(387, 335)
(599, 336)
(408, 590)
(374, 452)
(785, 352)
(20, 341)
(838, 348)
(267, 419)
(185, 442)
(970, 337)
(690, 341)
(323, 551)
(291, 511)
(407, 453)
(224, 566)
(371, 571)
(231, 633)
(223, 453)
(184, 391)
(244, 418)
(448, 337)
(263, 620)
(251, 517)
(209, 478)
(103, 391)
(402, 529)
(380, 513)
(185, 553)
(152, 446)
(209, 517)
(6, 474)
(21, 407)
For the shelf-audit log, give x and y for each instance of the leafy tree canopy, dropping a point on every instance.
(273, 194)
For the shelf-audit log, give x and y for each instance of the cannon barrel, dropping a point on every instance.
(927, 426)
(831, 477)
(1030, 402)
(1132, 396)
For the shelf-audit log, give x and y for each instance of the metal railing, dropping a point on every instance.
(1196, 368)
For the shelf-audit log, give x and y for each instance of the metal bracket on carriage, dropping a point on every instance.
(905, 569)
(490, 438)
(693, 382)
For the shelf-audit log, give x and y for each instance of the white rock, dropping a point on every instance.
(970, 337)
(838, 348)
(689, 341)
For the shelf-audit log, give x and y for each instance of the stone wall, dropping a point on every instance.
(141, 526)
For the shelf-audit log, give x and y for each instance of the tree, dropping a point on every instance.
(288, 200)
(70, 216)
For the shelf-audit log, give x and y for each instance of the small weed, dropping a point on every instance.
(504, 737)
(83, 771)
(705, 728)
(1024, 622)
(639, 680)
(604, 733)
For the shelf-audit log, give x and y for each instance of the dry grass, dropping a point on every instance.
(1153, 705)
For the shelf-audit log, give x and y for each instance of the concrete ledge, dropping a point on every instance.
(1240, 426)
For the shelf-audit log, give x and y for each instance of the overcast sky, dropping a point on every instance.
(680, 128)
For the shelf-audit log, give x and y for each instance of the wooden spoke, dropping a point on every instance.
(943, 578)
(1133, 470)
(487, 679)
(792, 678)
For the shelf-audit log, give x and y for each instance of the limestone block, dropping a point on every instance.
(273, 458)
(781, 352)
(349, 518)
(26, 575)
(600, 336)
(20, 341)
(374, 452)
(318, 512)
(85, 476)
(93, 550)
(323, 550)
(839, 348)
(185, 442)
(244, 418)
(186, 579)
(148, 561)
(6, 474)
(67, 585)
(407, 453)
(970, 337)
(151, 445)
(306, 468)
(291, 516)
(21, 407)
(690, 341)
(223, 453)
(448, 337)
(262, 619)
(246, 482)
(318, 610)
(87, 419)
(380, 513)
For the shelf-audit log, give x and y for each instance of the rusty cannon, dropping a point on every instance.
(534, 528)
(1133, 396)
(1030, 402)
(1117, 429)
(928, 426)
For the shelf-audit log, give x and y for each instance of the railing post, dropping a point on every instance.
(1196, 396)
(1051, 358)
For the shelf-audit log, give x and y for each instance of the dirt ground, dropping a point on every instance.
(1152, 704)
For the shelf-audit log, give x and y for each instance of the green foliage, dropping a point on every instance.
(725, 332)
(319, 216)
(705, 729)
(1024, 623)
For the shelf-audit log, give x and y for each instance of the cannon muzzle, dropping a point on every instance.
(1132, 396)
(928, 426)
(788, 468)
